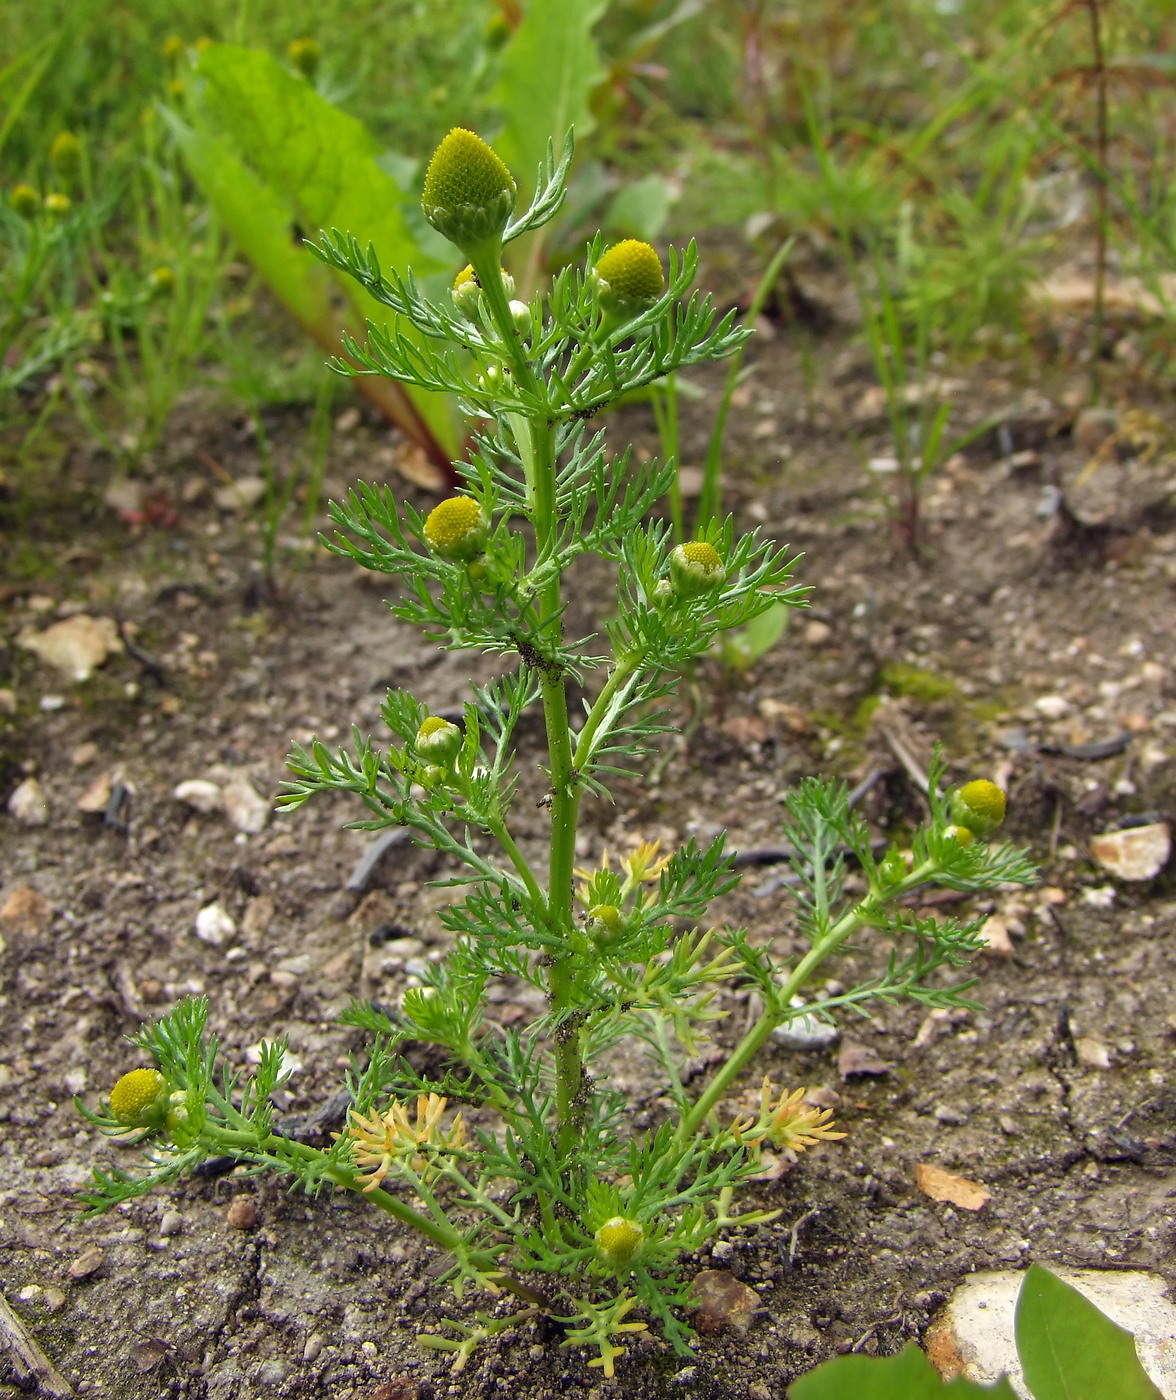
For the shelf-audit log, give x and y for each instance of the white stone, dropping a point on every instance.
(96, 797)
(28, 803)
(806, 1032)
(246, 810)
(214, 924)
(976, 1328)
(1139, 853)
(1051, 706)
(77, 646)
(199, 794)
(240, 495)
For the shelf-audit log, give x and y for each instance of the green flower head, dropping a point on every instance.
(438, 741)
(139, 1098)
(619, 1241)
(456, 529)
(979, 806)
(696, 568)
(469, 194)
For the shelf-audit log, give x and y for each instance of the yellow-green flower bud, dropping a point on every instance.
(457, 528)
(961, 835)
(438, 741)
(57, 204)
(469, 194)
(696, 568)
(979, 806)
(172, 48)
(663, 594)
(25, 201)
(619, 1241)
(65, 154)
(628, 279)
(163, 281)
(520, 314)
(305, 55)
(139, 1097)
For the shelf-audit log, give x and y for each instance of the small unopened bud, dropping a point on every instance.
(520, 314)
(438, 741)
(25, 201)
(606, 923)
(979, 806)
(961, 835)
(163, 281)
(619, 1241)
(457, 528)
(57, 204)
(65, 154)
(663, 594)
(172, 48)
(305, 55)
(696, 568)
(469, 194)
(139, 1098)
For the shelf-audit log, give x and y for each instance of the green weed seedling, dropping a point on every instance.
(540, 1188)
(1067, 1348)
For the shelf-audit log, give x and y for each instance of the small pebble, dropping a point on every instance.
(1092, 1053)
(1137, 854)
(214, 924)
(199, 794)
(806, 1032)
(87, 1263)
(247, 811)
(242, 1213)
(96, 797)
(313, 1345)
(239, 495)
(84, 753)
(28, 804)
(171, 1224)
(1051, 706)
(7, 701)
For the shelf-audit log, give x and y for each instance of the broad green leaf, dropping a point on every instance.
(300, 163)
(640, 210)
(907, 1376)
(1071, 1351)
(259, 221)
(743, 648)
(549, 68)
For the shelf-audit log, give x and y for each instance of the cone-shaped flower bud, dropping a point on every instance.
(520, 314)
(696, 568)
(628, 279)
(978, 805)
(25, 201)
(466, 293)
(961, 835)
(139, 1097)
(438, 741)
(65, 154)
(457, 528)
(619, 1241)
(305, 55)
(469, 194)
(57, 203)
(163, 281)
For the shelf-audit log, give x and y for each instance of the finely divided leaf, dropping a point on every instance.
(1070, 1350)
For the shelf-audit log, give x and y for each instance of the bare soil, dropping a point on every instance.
(1027, 593)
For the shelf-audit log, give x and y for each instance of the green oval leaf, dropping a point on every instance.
(1070, 1350)
(907, 1376)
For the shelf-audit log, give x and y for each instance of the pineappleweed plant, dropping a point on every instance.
(537, 1190)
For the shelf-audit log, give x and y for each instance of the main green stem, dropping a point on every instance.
(537, 449)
